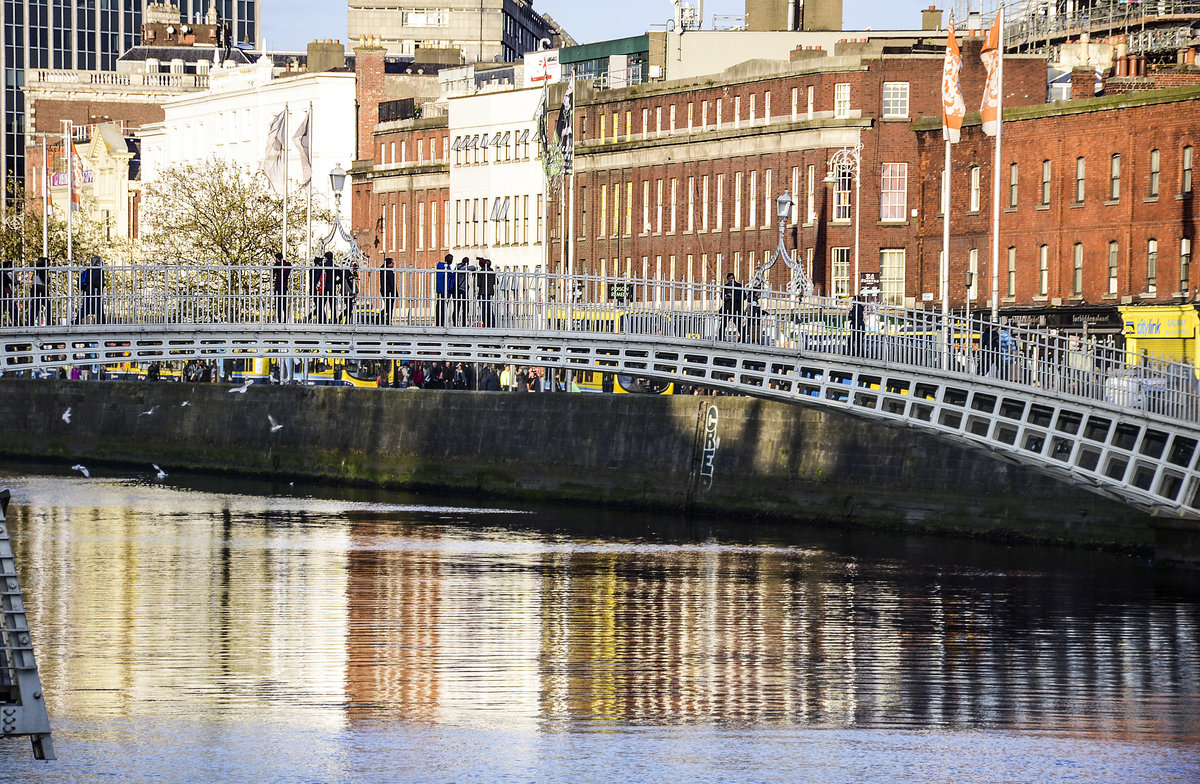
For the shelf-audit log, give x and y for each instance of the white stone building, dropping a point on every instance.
(496, 178)
(232, 120)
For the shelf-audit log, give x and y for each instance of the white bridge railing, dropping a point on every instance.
(96, 300)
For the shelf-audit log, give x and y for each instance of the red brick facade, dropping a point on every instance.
(1130, 233)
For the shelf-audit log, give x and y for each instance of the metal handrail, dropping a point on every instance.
(199, 296)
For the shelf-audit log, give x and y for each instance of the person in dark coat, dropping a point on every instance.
(8, 294)
(732, 295)
(39, 293)
(485, 289)
(387, 289)
(858, 326)
(281, 274)
(328, 286)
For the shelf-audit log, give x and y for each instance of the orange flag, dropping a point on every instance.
(954, 109)
(989, 110)
(76, 176)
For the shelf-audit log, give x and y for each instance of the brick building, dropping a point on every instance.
(1097, 213)
(679, 179)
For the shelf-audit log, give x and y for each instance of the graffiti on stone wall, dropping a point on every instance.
(711, 442)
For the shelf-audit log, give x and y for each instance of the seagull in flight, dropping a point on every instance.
(67, 416)
(148, 413)
(161, 473)
(81, 469)
(274, 425)
(185, 404)
(242, 389)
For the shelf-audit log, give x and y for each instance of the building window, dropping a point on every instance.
(1185, 180)
(629, 208)
(737, 200)
(1045, 183)
(1077, 270)
(840, 261)
(752, 213)
(1079, 172)
(795, 102)
(1114, 178)
(893, 196)
(1114, 261)
(720, 201)
(1011, 284)
(583, 202)
(1151, 266)
(1154, 169)
(603, 210)
(1012, 185)
(841, 101)
(691, 204)
(841, 194)
(1043, 269)
(895, 99)
(975, 189)
(811, 95)
(704, 203)
(674, 202)
(658, 207)
(645, 206)
(1185, 264)
(891, 276)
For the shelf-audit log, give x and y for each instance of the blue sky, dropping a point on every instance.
(291, 24)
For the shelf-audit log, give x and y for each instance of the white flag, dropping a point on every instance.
(304, 144)
(275, 163)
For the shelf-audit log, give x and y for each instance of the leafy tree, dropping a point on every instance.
(21, 232)
(218, 212)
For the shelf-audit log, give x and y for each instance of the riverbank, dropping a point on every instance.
(725, 456)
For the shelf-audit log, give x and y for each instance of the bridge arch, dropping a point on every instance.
(1127, 453)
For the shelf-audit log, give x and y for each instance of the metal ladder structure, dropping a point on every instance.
(22, 703)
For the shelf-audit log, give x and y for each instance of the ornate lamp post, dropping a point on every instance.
(337, 180)
(800, 281)
(847, 162)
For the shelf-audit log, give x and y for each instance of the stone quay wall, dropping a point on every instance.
(722, 456)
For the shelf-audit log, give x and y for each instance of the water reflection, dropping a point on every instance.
(181, 602)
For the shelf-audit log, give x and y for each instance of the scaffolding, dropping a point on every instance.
(1156, 29)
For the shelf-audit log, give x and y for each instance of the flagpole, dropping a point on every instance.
(308, 218)
(996, 168)
(285, 178)
(45, 209)
(944, 272)
(70, 188)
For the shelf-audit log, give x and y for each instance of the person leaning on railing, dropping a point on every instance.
(281, 273)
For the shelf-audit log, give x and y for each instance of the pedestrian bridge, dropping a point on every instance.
(1123, 426)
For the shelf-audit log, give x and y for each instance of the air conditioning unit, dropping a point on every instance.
(1056, 301)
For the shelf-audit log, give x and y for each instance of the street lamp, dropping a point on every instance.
(848, 161)
(337, 179)
(968, 280)
(800, 280)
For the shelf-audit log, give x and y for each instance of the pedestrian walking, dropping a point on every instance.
(8, 293)
(39, 293)
(387, 289)
(485, 290)
(281, 273)
(443, 288)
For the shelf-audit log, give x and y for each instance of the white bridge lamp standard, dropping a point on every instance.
(354, 255)
(337, 180)
(968, 280)
(799, 282)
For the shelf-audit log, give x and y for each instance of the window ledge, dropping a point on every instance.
(1040, 298)
(1042, 207)
(1010, 209)
(1183, 196)
(894, 118)
(1112, 202)
(1008, 299)
(892, 223)
(1150, 200)
(1110, 297)
(1075, 205)
(1075, 298)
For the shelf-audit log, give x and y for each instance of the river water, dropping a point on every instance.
(192, 629)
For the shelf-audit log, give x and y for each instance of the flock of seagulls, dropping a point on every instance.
(160, 474)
